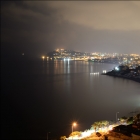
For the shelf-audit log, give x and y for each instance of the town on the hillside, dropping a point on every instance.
(128, 64)
(62, 54)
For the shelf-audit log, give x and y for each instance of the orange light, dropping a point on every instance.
(74, 124)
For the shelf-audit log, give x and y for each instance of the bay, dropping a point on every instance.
(40, 96)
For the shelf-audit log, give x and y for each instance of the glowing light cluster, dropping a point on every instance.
(83, 135)
(43, 57)
(67, 59)
(104, 71)
(95, 73)
(116, 68)
(110, 127)
(73, 138)
(88, 133)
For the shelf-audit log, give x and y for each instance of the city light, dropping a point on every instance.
(104, 71)
(43, 57)
(116, 68)
(98, 57)
(95, 73)
(90, 132)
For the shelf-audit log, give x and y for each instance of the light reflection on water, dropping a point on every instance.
(63, 91)
(93, 92)
(67, 67)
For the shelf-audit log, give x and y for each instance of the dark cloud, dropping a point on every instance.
(38, 27)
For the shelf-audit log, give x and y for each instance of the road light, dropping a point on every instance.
(116, 116)
(74, 124)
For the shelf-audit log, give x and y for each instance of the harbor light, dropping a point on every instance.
(104, 71)
(43, 57)
(116, 68)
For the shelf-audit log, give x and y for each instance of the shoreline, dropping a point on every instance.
(124, 77)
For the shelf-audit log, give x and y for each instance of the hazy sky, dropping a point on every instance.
(36, 27)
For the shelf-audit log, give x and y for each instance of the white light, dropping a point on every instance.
(104, 71)
(110, 127)
(116, 68)
(83, 135)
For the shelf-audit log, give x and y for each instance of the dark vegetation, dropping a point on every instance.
(126, 72)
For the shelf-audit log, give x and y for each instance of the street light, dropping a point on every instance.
(74, 124)
(116, 116)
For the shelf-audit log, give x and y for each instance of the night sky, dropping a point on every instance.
(37, 27)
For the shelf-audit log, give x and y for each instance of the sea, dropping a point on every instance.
(40, 98)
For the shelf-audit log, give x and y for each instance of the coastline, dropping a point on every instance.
(121, 76)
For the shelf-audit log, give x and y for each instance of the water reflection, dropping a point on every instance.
(47, 93)
(72, 79)
(65, 68)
